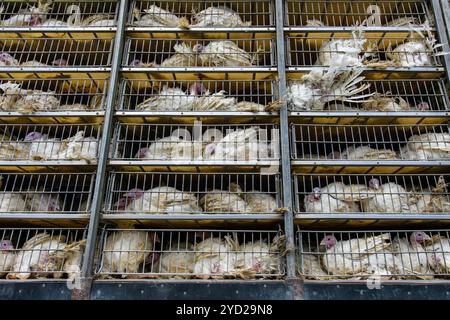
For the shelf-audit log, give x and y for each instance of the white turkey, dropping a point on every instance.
(428, 146)
(157, 17)
(221, 201)
(255, 201)
(10, 94)
(177, 259)
(388, 198)
(315, 89)
(413, 53)
(334, 198)
(386, 103)
(30, 17)
(219, 16)
(7, 256)
(79, 147)
(126, 251)
(171, 99)
(41, 201)
(13, 202)
(172, 148)
(215, 258)
(11, 149)
(258, 258)
(436, 200)
(7, 60)
(73, 258)
(439, 254)
(158, 200)
(239, 145)
(343, 52)
(358, 256)
(224, 53)
(412, 255)
(184, 57)
(310, 267)
(36, 258)
(42, 147)
(368, 153)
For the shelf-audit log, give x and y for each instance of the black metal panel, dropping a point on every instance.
(190, 290)
(437, 290)
(34, 290)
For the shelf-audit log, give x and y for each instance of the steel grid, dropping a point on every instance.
(199, 193)
(343, 14)
(373, 255)
(41, 252)
(201, 14)
(238, 254)
(57, 13)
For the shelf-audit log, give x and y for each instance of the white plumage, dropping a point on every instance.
(428, 146)
(388, 198)
(219, 16)
(157, 17)
(413, 53)
(172, 148)
(436, 200)
(36, 258)
(12, 202)
(42, 147)
(368, 153)
(31, 16)
(177, 259)
(184, 57)
(439, 254)
(334, 198)
(386, 104)
(126, 251)
(7, 60)
(259, 258)
(224, 53)
(79, 147)
(41, 201)
(7, 256)
(168, 99)
(315, 89)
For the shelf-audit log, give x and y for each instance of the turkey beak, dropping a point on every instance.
(323, 242)
(427, 238)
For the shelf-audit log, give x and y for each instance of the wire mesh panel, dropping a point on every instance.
(55, 52)
(56, 13)
(409, 95)
(206, 95)
(50, 193)
(62, 94)
(370, 142)
(195, 14)
(173, 53)
(196, 142)
(343, 13)
(191, 254)
(29, 253)
(372, 194)
(410, 49)
(178, 193)
(49, 142)
(374, 255)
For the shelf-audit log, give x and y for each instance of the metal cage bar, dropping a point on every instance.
(174, 53)
(417, 194)
(192, 253)
(41, 252)
(196, 142)
(27, 96)
(49, 193)
(189, 193)
(204, 95)
(343, 14)
(201, 14)
(56, 13)
(56, 52)
(426, 142)
(373, 255)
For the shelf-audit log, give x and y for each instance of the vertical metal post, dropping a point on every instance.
(441, 29)
(292, 280)
(101, 175)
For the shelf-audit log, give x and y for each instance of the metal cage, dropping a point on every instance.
(162, 53)
(195, 142)
(191, 254)
(46, 53)
(344, 14)
(351, 142)
(200, 14)
(58, 13)
(379, 96)
(193, 193)
(27, 96)
(41, 252)
(396, 50)
(50, 142)
(371, 194)
(199, 96)
(49, 193)
(373, 255)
